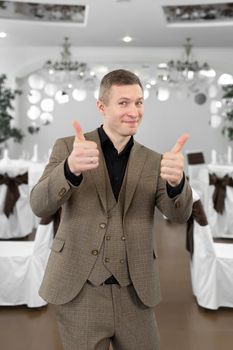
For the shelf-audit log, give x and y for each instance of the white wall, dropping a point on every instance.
(163, 121)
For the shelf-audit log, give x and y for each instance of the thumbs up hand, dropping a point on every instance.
(85, 155)
(172, 163)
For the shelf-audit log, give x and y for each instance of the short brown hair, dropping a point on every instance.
(117, 77)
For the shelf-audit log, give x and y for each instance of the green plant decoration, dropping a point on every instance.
(227, 129)
(7, 96)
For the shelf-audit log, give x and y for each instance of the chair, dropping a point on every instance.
(219, 205)
(195, 158)
(16, 217)
(211, 267)
(22, 265)
(198, 173)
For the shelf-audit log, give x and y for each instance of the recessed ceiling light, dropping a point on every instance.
(127, 39)
(2, 35)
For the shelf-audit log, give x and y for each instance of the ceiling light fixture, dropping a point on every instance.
(127, 39)
(56, 82)
(203, 13)
(65, 69)
(38, 12)
(188, 74)
(3, 35)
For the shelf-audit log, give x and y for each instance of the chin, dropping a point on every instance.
(131, 132)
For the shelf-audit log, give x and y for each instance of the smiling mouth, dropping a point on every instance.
(130, 121)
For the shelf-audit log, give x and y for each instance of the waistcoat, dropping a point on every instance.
(112, 257)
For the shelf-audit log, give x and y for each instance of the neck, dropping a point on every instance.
(118, 141)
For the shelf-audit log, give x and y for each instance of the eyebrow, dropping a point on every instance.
(128, 99)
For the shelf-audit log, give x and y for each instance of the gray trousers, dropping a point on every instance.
(107, 314)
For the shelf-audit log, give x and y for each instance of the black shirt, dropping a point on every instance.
(116, 165)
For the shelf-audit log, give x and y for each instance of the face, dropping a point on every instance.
(123, 111)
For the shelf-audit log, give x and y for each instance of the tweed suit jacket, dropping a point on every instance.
(80, 233)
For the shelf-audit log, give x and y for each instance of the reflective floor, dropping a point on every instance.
(183, 325)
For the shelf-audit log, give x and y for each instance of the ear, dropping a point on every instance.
(100, 106)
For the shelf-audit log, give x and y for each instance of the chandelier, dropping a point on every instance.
(186, 74)
(65, 70)
(57, 82)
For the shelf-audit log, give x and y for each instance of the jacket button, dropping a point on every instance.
(94, 252)
(106, 259)
(177, 205)
(102, 225)
(123, 238)
(122, 261)
(108, 238)
(62, 192)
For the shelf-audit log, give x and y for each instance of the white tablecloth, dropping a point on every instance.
(22, 268)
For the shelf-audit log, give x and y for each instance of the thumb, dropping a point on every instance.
(78, 131)
(180, 143)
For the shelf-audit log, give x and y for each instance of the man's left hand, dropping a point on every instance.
(172, 163)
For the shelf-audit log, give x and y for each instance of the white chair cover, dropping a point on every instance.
(221, 224)
(22, 266)
(22, 221)
(211, 269)
(198, 174)
(199, 180)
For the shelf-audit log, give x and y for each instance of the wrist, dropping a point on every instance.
(72, 169)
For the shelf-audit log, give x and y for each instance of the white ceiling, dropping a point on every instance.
(109, 20)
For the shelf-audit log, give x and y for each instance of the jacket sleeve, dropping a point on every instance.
(178, 208)
(52, 189)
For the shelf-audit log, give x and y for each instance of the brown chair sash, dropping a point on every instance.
(219, 194)
(195, 158)
(55, 218)
(198, 214)
(12, 194)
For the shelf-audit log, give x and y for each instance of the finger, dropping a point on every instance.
(180, 143)
(169, 156)
(171, 171)
(79, 153)
(172, 163)
(84, 145)
(91, 152)
(88, 160)
(78, 130)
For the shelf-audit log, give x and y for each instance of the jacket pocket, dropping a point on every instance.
(154, 254)
(57, 245)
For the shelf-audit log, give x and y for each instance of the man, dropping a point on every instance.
(102, 273)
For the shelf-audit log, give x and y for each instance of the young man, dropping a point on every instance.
(102, 273)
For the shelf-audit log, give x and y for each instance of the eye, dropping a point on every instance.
(139, 103)
(123, 103)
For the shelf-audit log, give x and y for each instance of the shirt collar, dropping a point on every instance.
(104, 139)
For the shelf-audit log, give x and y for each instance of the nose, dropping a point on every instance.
(133, 111)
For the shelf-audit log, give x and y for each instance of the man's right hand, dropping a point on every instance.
(85, 155)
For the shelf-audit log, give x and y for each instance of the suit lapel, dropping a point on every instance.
(98, 175)
(136, 162)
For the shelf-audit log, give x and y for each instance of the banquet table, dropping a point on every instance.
(17, 176)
